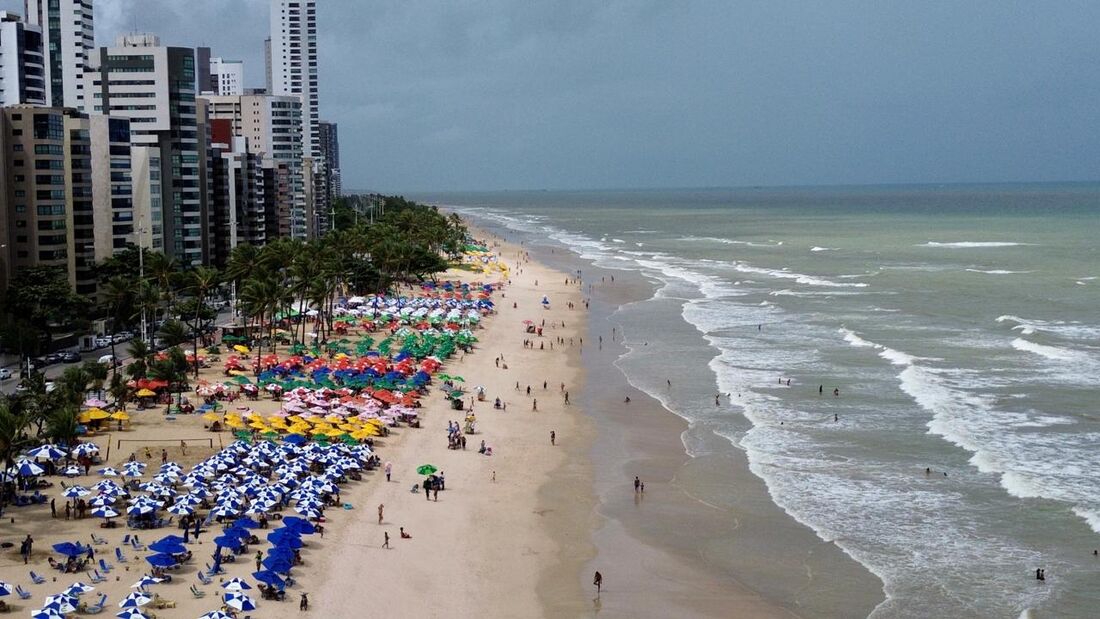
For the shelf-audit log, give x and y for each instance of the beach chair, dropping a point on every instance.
(198, 593)
(94, 609)
(95, 577)
(204, 579)
(36, 579)
(98, 541)
(23, 593)
(118, 555)
(135, 544)
(126, 540)
(104, 566)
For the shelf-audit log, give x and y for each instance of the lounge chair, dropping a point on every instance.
(198, 593)
(204, 579)
(36, 579)
(95, 577)
(118, 555)
(94, 609)
(136, 543)
(23, 593)
(103, 566)
(126, 540)
(98, 541)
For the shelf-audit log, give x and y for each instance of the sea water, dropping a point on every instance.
(959, 325)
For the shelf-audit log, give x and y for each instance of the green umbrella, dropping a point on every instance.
(240, 380)
(425, 469)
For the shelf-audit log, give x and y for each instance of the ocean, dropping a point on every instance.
(959, 326)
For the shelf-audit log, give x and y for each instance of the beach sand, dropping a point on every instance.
(522, 545)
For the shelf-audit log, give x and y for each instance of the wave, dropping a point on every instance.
(971, 244)
(808, 280)
(1063, 329)
(815, 248)
(713, 239)
(1050, 352)
(998, 272)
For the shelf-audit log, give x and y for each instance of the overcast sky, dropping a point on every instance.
(497, 94)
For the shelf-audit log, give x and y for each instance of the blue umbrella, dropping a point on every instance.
(172, 539)
(70, 549)
(281, 552)
(161, 560)
(29, 469)
(277, 564)
(269, 577)
(228, 541)
(167, 547)
(246, 523)
(287, 540)
(301, 525)
(293, 439)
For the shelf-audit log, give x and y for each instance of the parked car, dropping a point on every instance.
(70, 357)
(102, 342)
(5, 373)
(108, 360)
(52, 358)
(37, 363)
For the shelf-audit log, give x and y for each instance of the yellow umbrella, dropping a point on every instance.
(333, 432)
(121, 416)
(212, 417)
(258, 425)
(376, 422)
(97, 413)
(83, 418)
(145, 393)
(238, 373)
(241, 348)
(234, 423)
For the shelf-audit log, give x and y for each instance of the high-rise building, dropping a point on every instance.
(154, 87)
(226, 77)
(114, 223)
(294, 72)
(272, 127)
(68, 33)
(22, 68)
(267, 66)
(47, 191)
(238, 206)
(330, 150)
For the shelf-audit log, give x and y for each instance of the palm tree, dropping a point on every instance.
(120, 391)
(243, 263)
(164, 271)
(118, 294)
(261, 298)
(13, 432)
(62, 423)
(173, 333)
(140, 353)
(201, 280)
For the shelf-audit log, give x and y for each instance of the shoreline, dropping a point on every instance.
(708, 534)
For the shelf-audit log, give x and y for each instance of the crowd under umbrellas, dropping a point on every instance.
(241, 483)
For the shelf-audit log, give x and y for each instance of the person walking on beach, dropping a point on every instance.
(303, 604)
(553, 437)
(389, 469)
(386, 544)
(381, 508)
(598, 581)
(637, 484)
(534, 404)
(259, 560)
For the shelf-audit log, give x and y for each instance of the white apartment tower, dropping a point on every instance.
(22, 68)
(294, 72)
(226, 77)
(68, 35)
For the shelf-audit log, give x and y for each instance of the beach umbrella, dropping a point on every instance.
(26, 468)
(131, 613)
(85, 449)
(299, 525)
(181, 509)
(61, 602)
(162, 560)
(240, 601)
(70, 549)
(269, 577)
(235, 584)
(135, 599)
(108, 472)
(217, 614)
(228, 541)
(78, 588)
(146, 581)
(425, 469)
(167, 547)
(72, 471)
(101, 501)
(46, 613)
(172, 539)
(48, 451)
(75, 492)
(5, 589)
(278, 564)
(104, 512)
(139, 509)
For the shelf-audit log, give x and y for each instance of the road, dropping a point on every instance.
(121, 351)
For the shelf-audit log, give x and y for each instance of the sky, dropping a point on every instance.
(586, 94)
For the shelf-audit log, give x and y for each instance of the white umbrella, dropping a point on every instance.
(78, 588)
(240, 601)
(135, 599)
(235, 584)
